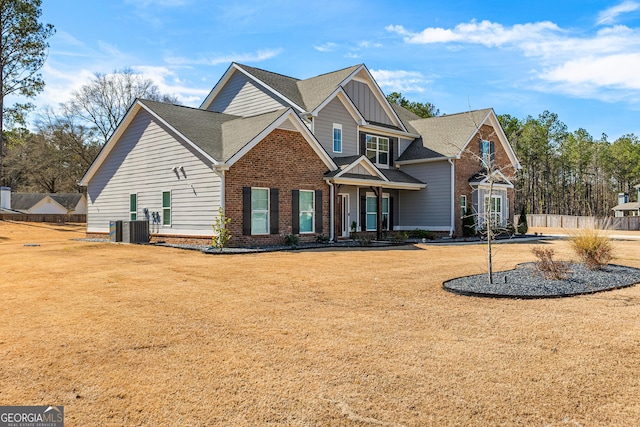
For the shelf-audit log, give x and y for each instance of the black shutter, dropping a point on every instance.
(363, 213)
(295, 212)
(319, 211)
(246, 211)
(390, 213)
(392, 144)
(274, 214)
(363, 144)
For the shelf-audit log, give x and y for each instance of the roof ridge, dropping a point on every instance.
(452, 114)
(187, 107)
(266, 71)
(331, 72)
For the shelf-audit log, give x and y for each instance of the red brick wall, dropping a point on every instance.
(469, 164)
(283, 160)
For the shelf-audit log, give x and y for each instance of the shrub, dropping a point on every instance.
(321, 238)
(400, 236)
(291, 240)
(548, 267)
(523, 227)
(222, 235)
(593, 248)
(363, 238)
(421, 234)
(468, 226)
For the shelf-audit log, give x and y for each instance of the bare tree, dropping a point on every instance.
(104, 101)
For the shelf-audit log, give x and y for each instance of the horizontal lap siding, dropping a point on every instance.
(335, 112)
(431, 206)
(366, 102)
(141, 163)
(243, 97)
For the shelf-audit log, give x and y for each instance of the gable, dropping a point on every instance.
(242, 96)
(366, 102)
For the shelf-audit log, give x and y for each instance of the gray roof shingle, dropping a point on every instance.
(217, 134)
(443, 136)
(308, 93)
(25, 201)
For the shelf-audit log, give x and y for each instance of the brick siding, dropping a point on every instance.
(469, 164)
(283, 160)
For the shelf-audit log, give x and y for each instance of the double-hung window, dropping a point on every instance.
(463, 205)
(259, 211)
(337, 138)
(385, 212)
(133, 207)
(307, 211)
(487, 153)
(166, 208)
(378, 149)
(372, 213)
(493, 210)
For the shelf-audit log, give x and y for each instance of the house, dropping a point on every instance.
(49, 203)
(325, 155)
(625, 207)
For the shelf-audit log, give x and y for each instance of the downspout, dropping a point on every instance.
(220, 171)
(453, 198)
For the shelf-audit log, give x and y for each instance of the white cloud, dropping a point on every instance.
(327, 47)
(609, 16)
(258, 56)
(169, 83)
(366, 44)
(596, 65)
(486, 33)
(400, 80)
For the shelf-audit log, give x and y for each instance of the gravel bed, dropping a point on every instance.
(526, 282)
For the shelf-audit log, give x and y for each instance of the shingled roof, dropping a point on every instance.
(308, 93)
(26, 201)
(217, 134)
(443, 136)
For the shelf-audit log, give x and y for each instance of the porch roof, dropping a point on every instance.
(630, 206)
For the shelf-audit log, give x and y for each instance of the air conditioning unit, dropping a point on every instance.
(135, 231)
(115, 231)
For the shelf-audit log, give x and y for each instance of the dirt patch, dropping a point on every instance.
(142, 335)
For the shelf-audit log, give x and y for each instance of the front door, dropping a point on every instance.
(344, 215)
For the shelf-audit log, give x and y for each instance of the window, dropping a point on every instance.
(385, 212)
(463, 205)
(487, 153)
(378, 149)
(259, 211)
(372, 213)
(133, 207)
(337, 138)
(496, 209)
(307, 211)
(166, 208)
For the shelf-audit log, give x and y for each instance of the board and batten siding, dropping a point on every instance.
(141, 163)
(335, 112)
(241, 96)
(429, 208)
(366, 102)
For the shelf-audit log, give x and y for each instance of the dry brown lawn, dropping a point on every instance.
(129, 335)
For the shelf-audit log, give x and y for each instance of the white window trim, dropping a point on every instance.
(313, 211)
(377, 149)
(131, 213)
(389, 207)
(463, 205)
(333, 140)
(170, 207)
(494, 213)
(386, 196)
(268, 211)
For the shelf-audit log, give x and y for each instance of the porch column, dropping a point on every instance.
(379, 213)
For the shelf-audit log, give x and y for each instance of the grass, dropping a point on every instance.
(592, 247)
(137, 335)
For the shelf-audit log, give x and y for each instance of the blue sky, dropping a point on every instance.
(579, 59)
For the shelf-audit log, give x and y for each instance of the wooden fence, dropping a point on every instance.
(568, 221)
(52, 218)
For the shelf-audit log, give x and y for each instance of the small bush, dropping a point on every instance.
(321, 238)
(548, 267)
(421, 234)
(523, 227)
(221, 234)
(400, 237)
(468, 226)
(291, 240)
(363, 238)
(593, 248)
